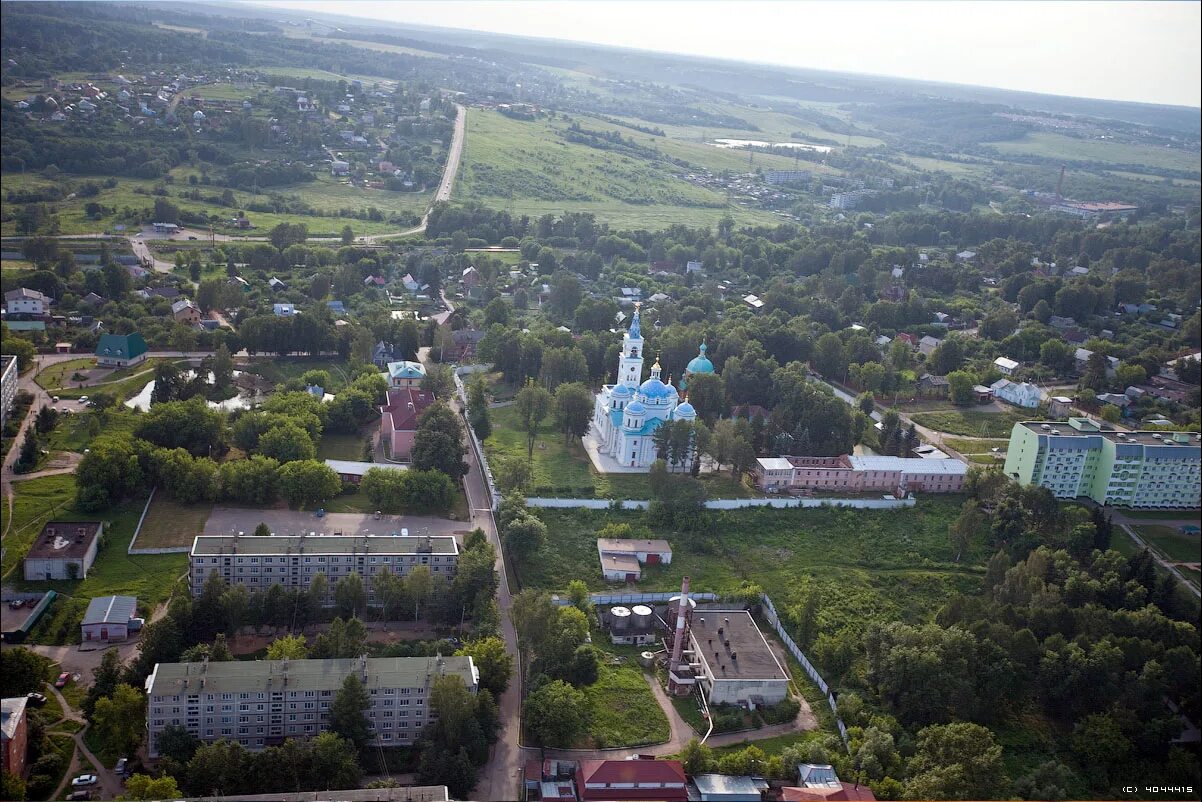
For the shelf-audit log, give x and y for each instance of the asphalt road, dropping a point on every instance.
(500, 778)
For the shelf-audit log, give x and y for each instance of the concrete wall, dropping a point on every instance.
(730, 503)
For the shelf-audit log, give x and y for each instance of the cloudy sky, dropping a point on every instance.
(1142, 51)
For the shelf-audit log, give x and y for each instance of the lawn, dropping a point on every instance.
(970, 422)
(563, 469)
(975, 446)
(53, 376)
(74, 432)
(171, 524)
(1171, 542)
(865, 565)
(358, 502)
(150, 578)
(122, 383)
(623, 710)
(529, 168)
(340, 446)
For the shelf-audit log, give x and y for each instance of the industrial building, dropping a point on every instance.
(293, 560)
(622, 560)
(1077, 458)
(630, 626)
(63, 550)
(723, 653)
(852, 474)
(261, 703)
(110, 618)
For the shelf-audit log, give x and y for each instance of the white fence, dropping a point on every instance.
(774, 620)
(134, 539)
(728, 503)
(605, 599)
(485, 471)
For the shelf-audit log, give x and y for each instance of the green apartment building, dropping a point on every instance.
(1149, 470)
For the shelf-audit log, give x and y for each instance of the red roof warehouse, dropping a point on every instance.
(619, 780)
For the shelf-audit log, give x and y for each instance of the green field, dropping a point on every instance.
(866, 565)
(1171, 542)
(75, 431)
(563, 469)
(1058, 146)
(326, 194)
(171, 524)
(975, 446)
(224, 91)
(970, 422)
(622, 709)
(527, 167)
(149, 578)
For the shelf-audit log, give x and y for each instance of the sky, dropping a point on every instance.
(1148, 52)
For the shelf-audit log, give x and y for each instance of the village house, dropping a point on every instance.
(186, 312)
(399, 418)
(120, 350)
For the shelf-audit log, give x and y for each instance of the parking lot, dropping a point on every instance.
(229, 520)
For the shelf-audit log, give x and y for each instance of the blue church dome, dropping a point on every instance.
(635, 408)
(656, 390)
(621, 391)
(685, 411)
(700, 363)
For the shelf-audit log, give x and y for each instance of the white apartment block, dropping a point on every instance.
(293, 560)
(262, 703)
(9, 379)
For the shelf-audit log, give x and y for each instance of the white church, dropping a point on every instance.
(626, 414)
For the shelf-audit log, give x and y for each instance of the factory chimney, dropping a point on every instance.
(678, 637)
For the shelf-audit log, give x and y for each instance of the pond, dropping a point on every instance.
(243, 400)
(756, 143)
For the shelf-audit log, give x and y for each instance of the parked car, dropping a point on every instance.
(79, 795)
(62, 680)
(121, 766)
(16, 604)
(83, 399)
(36, 699)
(85, 779)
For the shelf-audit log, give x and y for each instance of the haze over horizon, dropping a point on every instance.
(1141, 52)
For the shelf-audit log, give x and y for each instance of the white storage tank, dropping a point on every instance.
(642, 616)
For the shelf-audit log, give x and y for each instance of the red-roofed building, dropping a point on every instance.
(642, 779)
(845, 791)
(398, 419)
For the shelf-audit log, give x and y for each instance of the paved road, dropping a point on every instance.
(500, 778)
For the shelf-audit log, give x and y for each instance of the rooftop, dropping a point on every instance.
(609, 545)
(1083, 427)
(354, 468)
(64, 540)
(11, 711)
(238, 676)
(631, 771)
(950, 467)
(110, 610)
(324, 544)
(752, 656)
(404, 406)
(729, 784)
(620, 562)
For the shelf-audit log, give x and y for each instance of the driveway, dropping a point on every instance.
(228, 520)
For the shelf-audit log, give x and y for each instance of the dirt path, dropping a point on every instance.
(1168, 565)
